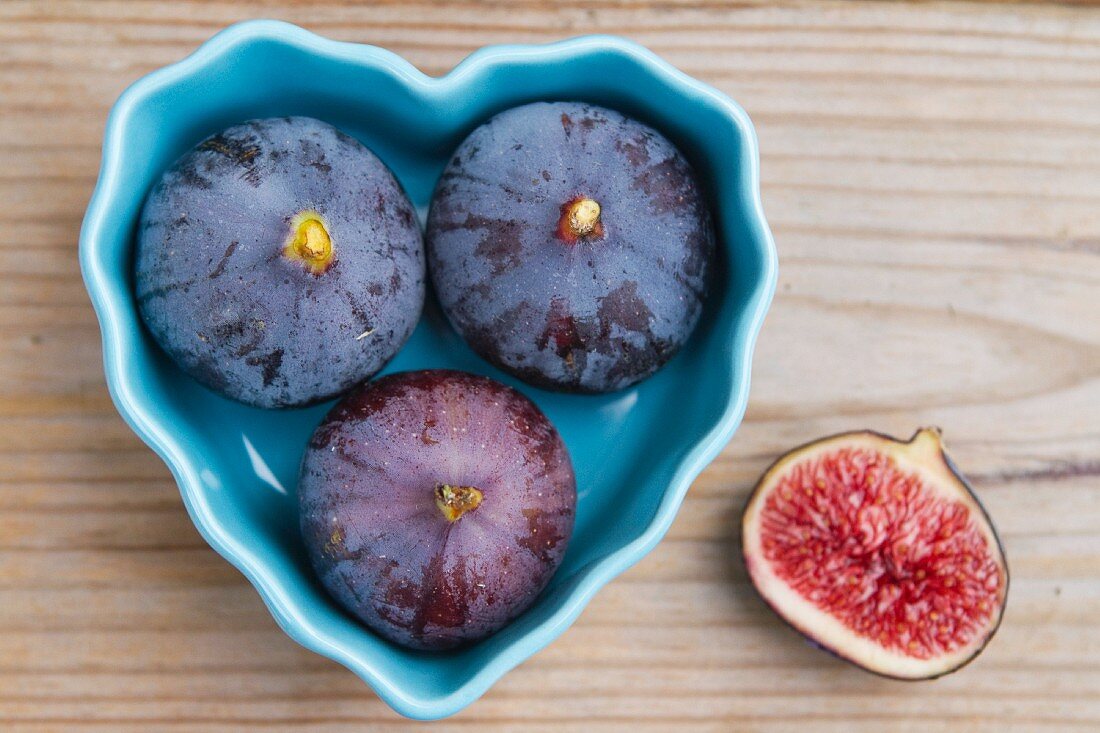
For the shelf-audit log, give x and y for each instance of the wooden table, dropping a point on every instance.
(932, 174)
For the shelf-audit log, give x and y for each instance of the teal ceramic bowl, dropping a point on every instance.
(635, 452)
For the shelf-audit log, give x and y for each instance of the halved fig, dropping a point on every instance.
(877, 550)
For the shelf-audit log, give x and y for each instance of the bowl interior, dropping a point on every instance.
(626, 447)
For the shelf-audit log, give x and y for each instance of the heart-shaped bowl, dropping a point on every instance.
(635, 452)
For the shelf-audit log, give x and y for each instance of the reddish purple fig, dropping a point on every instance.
(436, 505)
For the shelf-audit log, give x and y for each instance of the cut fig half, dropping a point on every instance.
(878, 551)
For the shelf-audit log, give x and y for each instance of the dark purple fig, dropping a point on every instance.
(570, 245)
(279, 262)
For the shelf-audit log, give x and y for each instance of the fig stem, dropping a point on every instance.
(580, 218)
(313, 241)
(584, 215)
(928, 439)
(454, 501)
(309, 242)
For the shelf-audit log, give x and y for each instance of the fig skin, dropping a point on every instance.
(436, 505)
(279, 262)
(570, 246)
(926, 448)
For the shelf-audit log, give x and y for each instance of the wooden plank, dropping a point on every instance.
(932, 174)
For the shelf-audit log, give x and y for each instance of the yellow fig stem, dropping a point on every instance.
(584, 216)
(454, 501)
(309, 242)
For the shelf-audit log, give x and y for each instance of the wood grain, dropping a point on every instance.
(932, 174)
